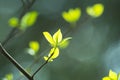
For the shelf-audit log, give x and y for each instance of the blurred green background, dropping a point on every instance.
(93, 50)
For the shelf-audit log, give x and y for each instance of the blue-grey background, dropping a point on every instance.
(93, 50)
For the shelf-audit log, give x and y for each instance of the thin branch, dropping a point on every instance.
(24, 11)
(39, 68)
(10, 35)
(12, 60)
(43, 64)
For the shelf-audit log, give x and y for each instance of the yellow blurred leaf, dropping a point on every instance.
(8, 77)
(95, 10)
(28, 19)
(72, 16)
(13, 22)
(34, 45)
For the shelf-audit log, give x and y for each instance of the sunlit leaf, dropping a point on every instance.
(65, 42)
(106, 78)
(57, 37)
(95, 10)
(28, 20)
(56, 42)
(112, 75)
(72, 16)
(49, 38)
(13, 22)
(54, 53)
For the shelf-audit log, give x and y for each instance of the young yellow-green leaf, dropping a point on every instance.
(46, 58)
(106, 78)
(95, 10)
(49, 38)
(65, 42)
(72, 16)
(54, 53)
(8, 77)
(118, 76)
(57, 37)
(13, 22)
(112, 75)
(28, 19)
(34, 45)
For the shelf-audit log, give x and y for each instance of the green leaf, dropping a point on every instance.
(54, 53)
(49, 38)
(13, 22)
(65, 42)
(113, 75)
(95, 10)
(8, 77)
(28, 20)
(72, 16)
(118, 76)
(57, 37)
(34, 47)
(56, 42)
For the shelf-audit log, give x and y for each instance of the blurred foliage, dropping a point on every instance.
(28, 20)
(96, 10)
(13, 22)
(93, 50)
(8, 77)
(72, 16)
(34, 47)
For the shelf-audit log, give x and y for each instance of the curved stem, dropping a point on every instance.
(12, 60)
(10, 35)
(39, 68)
(13, 31)
(43, 64)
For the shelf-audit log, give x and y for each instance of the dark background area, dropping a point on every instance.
(93, 50)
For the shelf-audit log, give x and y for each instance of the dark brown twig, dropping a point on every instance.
(12, 60)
